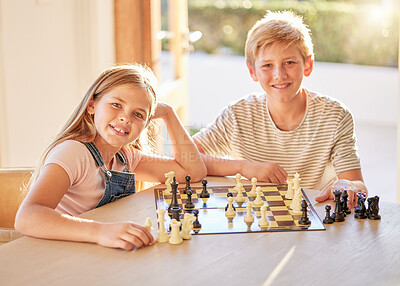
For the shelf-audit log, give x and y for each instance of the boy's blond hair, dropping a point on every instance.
(278, 27)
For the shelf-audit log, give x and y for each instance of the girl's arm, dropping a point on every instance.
(186, 159)
(37, 217)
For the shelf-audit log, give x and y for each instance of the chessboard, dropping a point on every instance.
(212, 210)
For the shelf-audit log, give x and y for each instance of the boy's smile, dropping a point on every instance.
(280, 71)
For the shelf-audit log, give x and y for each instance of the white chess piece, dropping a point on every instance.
(290, 190)
(263, 222)
(248, 217)
(296, 202)
(258, 202)
(148, 224)
(253, 192)
(187, 225)
(296, 181)
(238, 178)
(162, 234)
(239, 199)
(170, 177)
(175, 237)
(230, 212)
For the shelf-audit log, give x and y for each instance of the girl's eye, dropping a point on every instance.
(116, 105)
(138, 115)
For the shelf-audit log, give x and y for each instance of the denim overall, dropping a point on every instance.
(118, 184)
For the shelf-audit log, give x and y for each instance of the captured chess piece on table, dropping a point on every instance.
(373, 208)
(360, 212)
(338, 215)
(304, 217)
(328, 219)
(163, 236)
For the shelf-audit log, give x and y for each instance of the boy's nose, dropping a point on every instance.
(279, 73)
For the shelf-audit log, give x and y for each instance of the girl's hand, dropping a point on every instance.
(162, 110)
(125, 235)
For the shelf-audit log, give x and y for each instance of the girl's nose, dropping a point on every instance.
(124, 118)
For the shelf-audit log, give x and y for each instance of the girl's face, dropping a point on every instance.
(120, 115)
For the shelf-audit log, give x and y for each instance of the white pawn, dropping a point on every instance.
(239, 199)
(230, 212)
(290, 192)
(263, 222)
(258, 202)
(238, 178)
(162, 234)
(296, 202)
(170, 177)
(175, 237)
(148, 224)
(248, 217)
(187, 225)
(253, 192)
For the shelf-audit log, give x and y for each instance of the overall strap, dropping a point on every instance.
(121, 157)
(97, 156)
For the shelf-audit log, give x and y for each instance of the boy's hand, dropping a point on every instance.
(265, 172)
(125, 235)
(341, 185)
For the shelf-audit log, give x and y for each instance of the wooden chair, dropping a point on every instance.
(12, 182)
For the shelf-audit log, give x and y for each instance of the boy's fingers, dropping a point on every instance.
(326, 195)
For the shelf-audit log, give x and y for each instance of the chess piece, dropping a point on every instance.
(360, 211)
(345, 207)
(187, 187)
(174, 208)
(337, 215)
(253, 192)
(263, 222)
(296, 202)
(204, 195)
(373, 208)
(290, 190)
(196, 223)
(304, 217)
(240, 199)
(148, 224)
(230, 211)
(175, 237)
(162, 234)
(238, 178)
(296, 181)
(258, 202)
(328, 219)
(170, 176)
(248, 218)
(189, 204)
(187, 226)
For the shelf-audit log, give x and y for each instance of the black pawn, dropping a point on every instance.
(373, 208)
(196, 223)
(328, 219)
(187, 187)
(345, 207)
(360, 211)
(304, 217)
(189, 204)
(337, 215)
(204, 192)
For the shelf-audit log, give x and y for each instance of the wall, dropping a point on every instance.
(50, 52)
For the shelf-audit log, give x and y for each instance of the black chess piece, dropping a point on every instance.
(204, 193)
(304, 217)
(187, 187)
(337, 215)
(229, 194)
(328, 219)
(174, 206)
(373, 208)
(360, 211)
(345, 207)
(196, 223)
(189, 204)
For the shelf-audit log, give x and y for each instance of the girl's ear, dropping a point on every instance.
(251, 71)
(309, 65)
(90, 107)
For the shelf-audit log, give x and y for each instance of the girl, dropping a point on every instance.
(90, 162)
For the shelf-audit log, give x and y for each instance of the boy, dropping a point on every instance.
(288, 129)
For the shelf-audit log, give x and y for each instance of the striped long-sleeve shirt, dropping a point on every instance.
(325, 137)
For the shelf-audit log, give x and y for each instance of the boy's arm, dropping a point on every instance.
(352, 181)
(263, 171)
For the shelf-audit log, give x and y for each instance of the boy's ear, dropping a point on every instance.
(252, 72)
(90, 107)
(309, 65)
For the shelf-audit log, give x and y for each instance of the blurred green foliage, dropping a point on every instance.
(345, 32)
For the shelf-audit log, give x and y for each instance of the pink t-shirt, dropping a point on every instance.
(86, 181)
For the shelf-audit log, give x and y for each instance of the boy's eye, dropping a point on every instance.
(290, 62)
(116, 104)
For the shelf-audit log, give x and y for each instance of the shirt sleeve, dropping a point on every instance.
(345, 155)
(216, 138)
(133, 157)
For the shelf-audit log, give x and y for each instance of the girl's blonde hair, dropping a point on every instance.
(80, 126)
(278, 27)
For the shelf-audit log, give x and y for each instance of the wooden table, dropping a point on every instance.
(360, 252)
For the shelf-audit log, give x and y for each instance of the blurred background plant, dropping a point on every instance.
(364, 32)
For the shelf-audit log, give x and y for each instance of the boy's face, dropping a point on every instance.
(280, 71)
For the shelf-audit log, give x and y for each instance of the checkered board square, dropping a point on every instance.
(212, 210)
